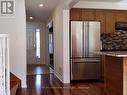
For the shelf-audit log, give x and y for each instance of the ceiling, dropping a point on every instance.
(40, 13)
(43, 13)
(106, 0)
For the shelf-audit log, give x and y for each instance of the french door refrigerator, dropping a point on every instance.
(85, 40)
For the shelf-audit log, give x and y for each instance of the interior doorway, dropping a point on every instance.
(51, 45)
(37, 48)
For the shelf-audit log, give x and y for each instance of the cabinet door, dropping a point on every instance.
(76, 14)
(102, 67)
(100, 16)
(121, 16)
(88, 14)
(110, 21)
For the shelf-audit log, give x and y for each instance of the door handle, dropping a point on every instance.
(34, 45)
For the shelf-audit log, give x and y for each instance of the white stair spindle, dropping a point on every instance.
(4, 65)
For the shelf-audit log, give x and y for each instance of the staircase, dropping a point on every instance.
(15, 85)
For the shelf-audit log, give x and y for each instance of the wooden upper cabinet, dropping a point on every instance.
(108, 18)
(88, 14)
(110, 21)
(121, 16)
(100, 16)
(76, 14)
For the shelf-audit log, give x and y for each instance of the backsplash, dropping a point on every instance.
(114, 41)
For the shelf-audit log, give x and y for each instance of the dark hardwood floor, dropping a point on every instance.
(34, 69)
(48, 84)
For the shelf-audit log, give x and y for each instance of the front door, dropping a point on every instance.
(31, 46)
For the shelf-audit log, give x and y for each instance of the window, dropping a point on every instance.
(38, 43)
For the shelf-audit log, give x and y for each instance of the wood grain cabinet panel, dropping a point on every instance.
(121, 16)
(115, 70)
(102, 67)
(100, 16)
(113, 75)
(76, 14)
(110, 21)
(126, 15)
(88, 14)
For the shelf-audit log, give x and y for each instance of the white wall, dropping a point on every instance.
(60, 20)
(44, 38)
(15, 27)
(66, 47)
(102, 5)
(58, 42)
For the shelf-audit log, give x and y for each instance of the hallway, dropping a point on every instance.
(38, 69)
(49, 84)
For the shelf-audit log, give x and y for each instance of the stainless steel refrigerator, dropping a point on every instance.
(85, 41)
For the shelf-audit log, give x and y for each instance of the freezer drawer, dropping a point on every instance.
(85, 70)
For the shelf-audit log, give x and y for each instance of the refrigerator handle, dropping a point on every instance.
(87, 40)
(86, 33)
(83, 47)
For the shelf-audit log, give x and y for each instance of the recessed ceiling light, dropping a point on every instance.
(30, 17)
(41, 5)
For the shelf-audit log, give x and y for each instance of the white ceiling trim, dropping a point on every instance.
(101, 5)
(118, 1)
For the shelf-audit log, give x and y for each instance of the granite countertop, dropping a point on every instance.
(113, 53)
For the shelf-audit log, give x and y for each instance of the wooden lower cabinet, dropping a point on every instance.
(102, 67)
(115, 71)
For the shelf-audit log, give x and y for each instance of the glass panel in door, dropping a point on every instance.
(37, 45)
